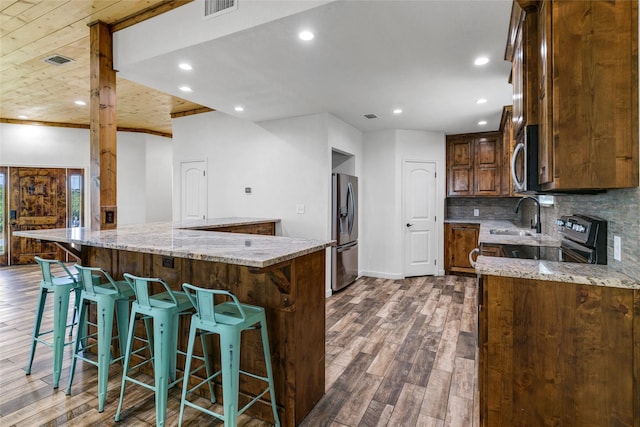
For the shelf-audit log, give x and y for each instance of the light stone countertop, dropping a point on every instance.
(588, 274)
(163, 238)
(567, 272)
(486, 237)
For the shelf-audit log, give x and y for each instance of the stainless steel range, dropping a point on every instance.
(584, 239)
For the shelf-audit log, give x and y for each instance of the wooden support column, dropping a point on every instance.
(103, 129)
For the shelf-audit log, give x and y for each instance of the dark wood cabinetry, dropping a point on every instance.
(575, 75)
(521, 52)
(474, 164)
(506, 129)
(264, 228)
(460, 239)
(558, 354)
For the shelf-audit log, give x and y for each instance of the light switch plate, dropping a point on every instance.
(476, 212)
(617, 248)
(299, 209)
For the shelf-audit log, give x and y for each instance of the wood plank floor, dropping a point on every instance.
(399, 353)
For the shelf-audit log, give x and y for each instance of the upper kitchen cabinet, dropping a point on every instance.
(506, 128)
(474, 164)
(586, 92)
(522, 52)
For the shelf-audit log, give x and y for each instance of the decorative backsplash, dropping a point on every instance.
(620, 208)
(500, 208)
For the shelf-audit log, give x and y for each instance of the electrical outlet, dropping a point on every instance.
(476, 212)
(299, 209)
(617, 248)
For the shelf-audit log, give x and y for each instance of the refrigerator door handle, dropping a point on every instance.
(346, 247)
(352, 208)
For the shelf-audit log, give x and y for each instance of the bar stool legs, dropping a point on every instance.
(61, 287)
(163, 309)
(108, 297)
(227, 320)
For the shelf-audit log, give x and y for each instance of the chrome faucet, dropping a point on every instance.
(538, 223)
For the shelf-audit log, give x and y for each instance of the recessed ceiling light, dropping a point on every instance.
(185, 89)
(23, 117)
(481, 101)
(306, 35)
(397, 111)
(483, 60)
(239, 109)
(482, 122)
(80, 103)
(185, 66)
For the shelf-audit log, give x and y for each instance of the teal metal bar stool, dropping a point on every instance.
(109, 296)
(61, 286)
(163, 310)
(228, 320)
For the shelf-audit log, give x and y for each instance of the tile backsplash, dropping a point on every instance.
(621, 210)
(488, 208)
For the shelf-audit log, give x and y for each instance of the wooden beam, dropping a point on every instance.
(103, 130)
(191, 112)
(80, 126)
(147, 13)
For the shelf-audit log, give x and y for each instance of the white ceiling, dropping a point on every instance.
(368, 56)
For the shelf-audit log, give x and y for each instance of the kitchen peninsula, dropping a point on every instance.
(284, 275)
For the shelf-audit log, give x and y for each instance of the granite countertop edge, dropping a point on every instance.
(164, 238)
(587, 274)
(566, 272)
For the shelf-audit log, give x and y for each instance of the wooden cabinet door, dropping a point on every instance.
(488, 153)
(506, 126)
(460, 167)
(37, 199)
(517, 76)
(557, 353)
(591, 94)
(545, 134)
(460, 240)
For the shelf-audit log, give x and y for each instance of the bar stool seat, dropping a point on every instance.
(61, 286)
(163, 310)
(109, 297)
(228, 320)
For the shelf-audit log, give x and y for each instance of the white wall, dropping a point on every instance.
(283, 161)
(144, 193)
(380, 251)
(383, 231)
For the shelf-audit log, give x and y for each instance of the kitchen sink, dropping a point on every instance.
(509, 232)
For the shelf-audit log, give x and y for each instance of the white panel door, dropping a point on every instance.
(193, 190)
(420, 237)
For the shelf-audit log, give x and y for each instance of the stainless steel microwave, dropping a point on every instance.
(524, 161)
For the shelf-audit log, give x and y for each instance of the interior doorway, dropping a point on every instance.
(419, 212)
(193, 190)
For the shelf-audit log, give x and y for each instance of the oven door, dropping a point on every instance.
(573, 252)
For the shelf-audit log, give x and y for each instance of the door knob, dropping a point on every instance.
(409, 225)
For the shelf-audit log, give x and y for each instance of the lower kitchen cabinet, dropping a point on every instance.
(460, 239)
(561, 354)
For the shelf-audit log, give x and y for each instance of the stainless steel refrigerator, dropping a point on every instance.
(344, 229)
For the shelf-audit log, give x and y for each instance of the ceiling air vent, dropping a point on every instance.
(57, 60)
(218, 7)
(371, 116)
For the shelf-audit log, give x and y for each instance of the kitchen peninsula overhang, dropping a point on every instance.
(186, 240)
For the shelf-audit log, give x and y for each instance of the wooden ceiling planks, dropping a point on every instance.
(31, 30)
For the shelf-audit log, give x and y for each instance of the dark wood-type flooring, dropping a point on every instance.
(399, 353)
